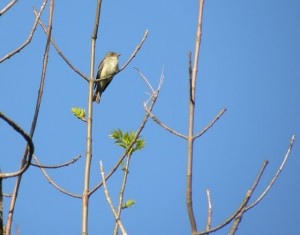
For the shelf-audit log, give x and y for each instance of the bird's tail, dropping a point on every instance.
(96, 97)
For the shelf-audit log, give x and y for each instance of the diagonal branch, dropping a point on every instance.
(61, 53)
(151, 114)
(242, 206)
(172, 131)
(57, 166)
(6, 8)
(239, 217)
(51, 181)
(138, 132)
(276, 175)
(108, 199)
(28, 40)
(135, 51)
(210, 124)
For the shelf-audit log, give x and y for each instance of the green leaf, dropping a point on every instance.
(128, 204)
(79, 113)
(124, 140)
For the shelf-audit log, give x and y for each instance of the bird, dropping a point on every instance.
(107, 69)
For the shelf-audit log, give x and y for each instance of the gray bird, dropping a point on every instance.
(107, 69)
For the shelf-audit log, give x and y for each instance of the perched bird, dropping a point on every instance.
(107, 68)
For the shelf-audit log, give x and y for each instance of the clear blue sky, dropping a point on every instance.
(249, 63)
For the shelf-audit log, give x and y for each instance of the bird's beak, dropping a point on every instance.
(118, 55)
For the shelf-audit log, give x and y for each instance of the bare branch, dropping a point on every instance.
(30, 148)
(135, 51)
(57, 166)
(209, 211)
(1, 209)
(28, 40)
(6, 8)
(34, 121)
(239, 217)
(172, 131)
(151, 114)
(138, 132)
(242, 206)
(190, 137)
(61, 53)
(145, 80)
(108, 199)
(51, 181)
(211, 124)
(89, 126)
(122, 191)
(276, 175)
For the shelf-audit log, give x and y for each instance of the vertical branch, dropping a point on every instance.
(1, 208)
(85, 195)
(108, 199)
(122, 193)
(209, 212)
(189, 200)
(34, 122)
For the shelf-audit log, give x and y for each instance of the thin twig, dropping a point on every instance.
(28, 40)
(30, 148)
(171, 130)
(122, 191)
(275, 176)
(61, 53)
(151, 114)
(108, 199)
(211, 123)
(145, 80)
(6, 8)
(209, 210)
(138, 132)
(242, 206)
(34, 121)
(135, 51)
(57, 166)
(239, 217)
(51, 181)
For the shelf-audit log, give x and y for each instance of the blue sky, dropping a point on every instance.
(249, 63)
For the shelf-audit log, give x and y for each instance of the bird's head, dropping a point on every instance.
(112, 54)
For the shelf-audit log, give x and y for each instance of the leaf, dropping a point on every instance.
(79, 113)
(124, 140)
(128, 204)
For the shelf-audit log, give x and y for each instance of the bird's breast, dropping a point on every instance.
(110, 67)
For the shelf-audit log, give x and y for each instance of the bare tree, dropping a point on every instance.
(129, 141)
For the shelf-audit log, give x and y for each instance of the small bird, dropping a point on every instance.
(107, 69)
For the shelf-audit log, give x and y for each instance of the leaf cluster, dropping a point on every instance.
(124, 140)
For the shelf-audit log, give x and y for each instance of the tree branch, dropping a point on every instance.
(135, 51)
(28, 40)
(57, 166)
(6, 8)
(61, 53)
(30, 148)
(108, 199)
(275, 176)
(210, 124)
(138, 132)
